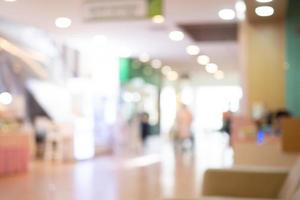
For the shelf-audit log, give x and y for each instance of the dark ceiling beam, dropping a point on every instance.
(211, 32)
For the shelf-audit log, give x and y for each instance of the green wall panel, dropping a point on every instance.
(293, 57)
(124, 71)
(131, 68)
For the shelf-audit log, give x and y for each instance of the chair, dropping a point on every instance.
(253, 183)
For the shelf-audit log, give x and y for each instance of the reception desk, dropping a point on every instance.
(16, 150)
(249, 150)
(269, 153)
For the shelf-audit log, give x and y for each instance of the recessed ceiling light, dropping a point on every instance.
(227, 14)
(176, 35)
(144, 58)
(100, 39)
(156, 64)
(264, 1)
(203, 60)
(193, 50)
(6, 98)
(158, 19)
(10, 0)
(219, 75)
(241, 8)
(264, 11)
(63, 22)
(211, 68)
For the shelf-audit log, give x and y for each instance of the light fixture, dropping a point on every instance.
(10, 1)
(211, 68)
(125, 52)
(166, 69)
(172, 76)
(176, 35)
(6, 98)
(63, 22)
(144, 58)
(264, 11)
(227, 14)
(219, 75)
(203, 59)
(264, 1)
(156, 64)
(241, 8)
(193, 50)
(158, 19)
(100, 39)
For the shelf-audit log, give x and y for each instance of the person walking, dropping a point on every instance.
(145, 127)
(184, 121)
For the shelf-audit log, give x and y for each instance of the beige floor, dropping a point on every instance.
(159, 173)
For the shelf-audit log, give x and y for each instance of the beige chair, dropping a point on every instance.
(252, 184)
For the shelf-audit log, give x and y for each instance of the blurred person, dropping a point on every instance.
(134, 133)
(42, 126)
(227, 121)
(278, 116)
(121, 136)
(145, 127)
(270, 123)
(184, 121)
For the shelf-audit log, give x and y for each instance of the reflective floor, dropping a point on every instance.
(158, 173)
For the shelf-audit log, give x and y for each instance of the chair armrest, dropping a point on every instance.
(247, 182)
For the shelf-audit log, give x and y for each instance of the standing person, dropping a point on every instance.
(227, 121)
(184, 122)
(145, 127)
(279, 116)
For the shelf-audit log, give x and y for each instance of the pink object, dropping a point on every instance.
(2, 161)
(13, 160)
(14, 154)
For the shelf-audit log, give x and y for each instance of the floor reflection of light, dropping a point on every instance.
(85, 181)
(84, 174)
(212, 151)
(143, 161)
(168, 171)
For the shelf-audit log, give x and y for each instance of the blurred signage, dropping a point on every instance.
(95, 10)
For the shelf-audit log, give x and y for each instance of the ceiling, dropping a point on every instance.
(142, 36)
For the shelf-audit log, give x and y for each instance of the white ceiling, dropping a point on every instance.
(138, 35)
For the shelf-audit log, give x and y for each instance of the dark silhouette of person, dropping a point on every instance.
(145, 127)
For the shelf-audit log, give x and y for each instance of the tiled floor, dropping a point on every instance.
(157, 174)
